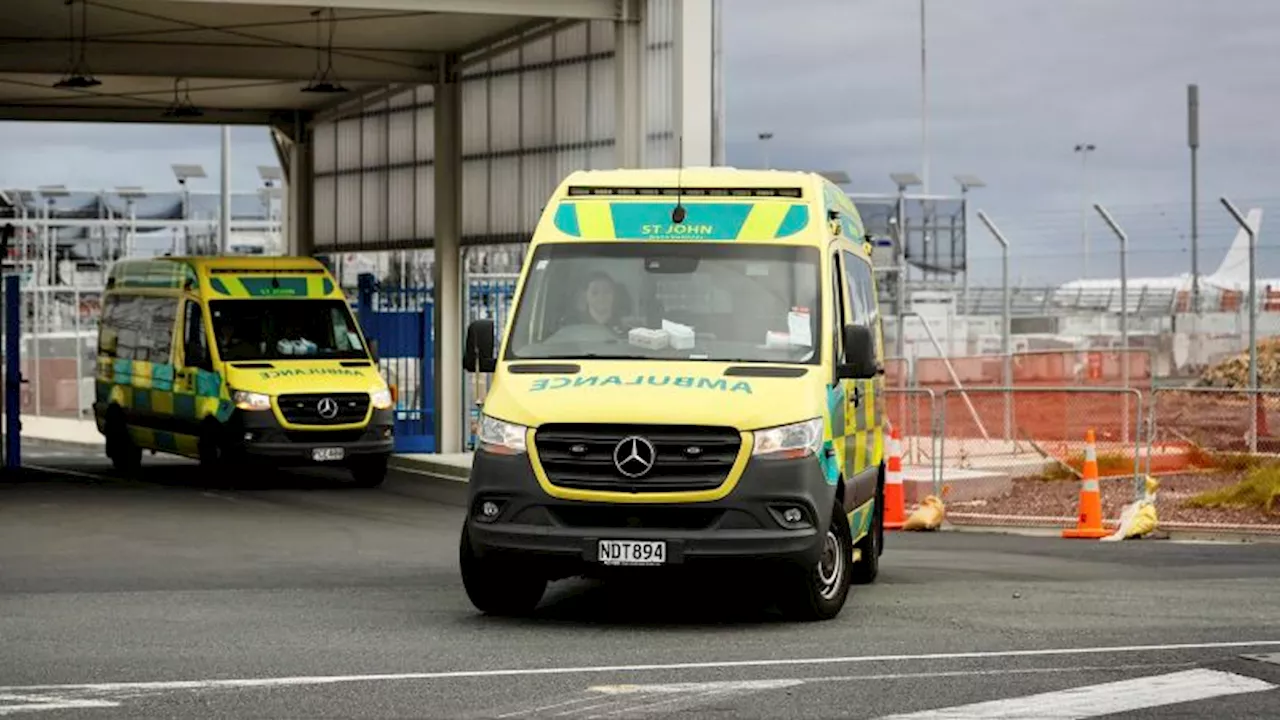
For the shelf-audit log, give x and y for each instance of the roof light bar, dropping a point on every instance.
(788, 192)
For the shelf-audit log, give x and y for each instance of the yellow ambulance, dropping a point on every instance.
(240, 363)
(691, 375)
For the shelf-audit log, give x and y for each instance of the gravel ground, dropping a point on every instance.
(1060, 498)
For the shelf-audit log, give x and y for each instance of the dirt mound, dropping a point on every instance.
(1234, 372)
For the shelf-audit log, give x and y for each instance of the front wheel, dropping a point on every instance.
(871, 546)
(124, 454)
(498, 586)
(368, 471)
(819, 592)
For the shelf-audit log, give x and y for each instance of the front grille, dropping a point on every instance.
(686, 457)
(324, 437)
(304, 409)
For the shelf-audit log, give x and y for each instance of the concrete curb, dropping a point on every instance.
(441, 482)
(1175, 535)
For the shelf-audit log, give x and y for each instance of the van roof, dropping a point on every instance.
(691, 177)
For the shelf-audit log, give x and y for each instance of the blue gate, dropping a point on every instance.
(400, 321)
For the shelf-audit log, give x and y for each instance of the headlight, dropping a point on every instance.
(381, 399)
(251, 400)
(501, 437)
(794, 440)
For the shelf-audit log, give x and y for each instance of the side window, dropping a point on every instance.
(838, 315)
(862, 294)
(126, 316)
(161, 316)
(195, 344)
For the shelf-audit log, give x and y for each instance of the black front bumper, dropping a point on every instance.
(259, 436)
(745, 525)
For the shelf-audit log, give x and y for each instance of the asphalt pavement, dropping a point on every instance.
(159, 595)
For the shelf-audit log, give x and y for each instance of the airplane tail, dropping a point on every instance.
(1234, 270)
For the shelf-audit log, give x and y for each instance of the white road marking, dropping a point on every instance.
(1105, 699)
(65, 471)
(603, 669)
(28, 703)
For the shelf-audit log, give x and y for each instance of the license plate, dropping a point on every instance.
(632, 552)
(327, 454)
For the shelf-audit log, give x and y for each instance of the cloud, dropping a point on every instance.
(1013, 86)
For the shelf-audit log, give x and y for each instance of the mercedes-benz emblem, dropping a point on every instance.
(634, 456)
(328, 408)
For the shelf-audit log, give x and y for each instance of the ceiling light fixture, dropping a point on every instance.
(323, 80)
(78, 77)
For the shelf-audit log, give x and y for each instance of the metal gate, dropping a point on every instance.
(399, 320)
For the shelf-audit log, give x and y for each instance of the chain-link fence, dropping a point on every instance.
(1216, 452)
(490, 296)
(59, 344)
(1016, 455)
(913, 412)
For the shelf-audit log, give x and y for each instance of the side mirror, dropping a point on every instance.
(373, 350)
(859, 354)
(479, 353)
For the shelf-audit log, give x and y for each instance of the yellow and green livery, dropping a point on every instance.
(229, 360)
(691, 373)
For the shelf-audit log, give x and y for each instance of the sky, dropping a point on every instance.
(1013, 85)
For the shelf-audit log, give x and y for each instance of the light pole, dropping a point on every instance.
(1006, 323)
(131, 194)
(1253, 320)
(764, 138)
(966, 182)
(273, 178)
(224, 207)
(1124, 303)
(183, 173)
(1084, 149)
(924, 104)
(1193, 142)
(903, 181)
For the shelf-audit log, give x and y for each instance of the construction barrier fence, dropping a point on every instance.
(914, 413)
(1015, 456)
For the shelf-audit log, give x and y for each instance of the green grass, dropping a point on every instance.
(1260, 489)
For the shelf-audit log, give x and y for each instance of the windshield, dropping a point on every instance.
(704, 301)
(285, 329)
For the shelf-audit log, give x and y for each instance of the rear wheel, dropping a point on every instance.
(864, 571)
(819, 592)
(125, 455)
(498, 586)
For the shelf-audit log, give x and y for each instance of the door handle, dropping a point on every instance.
(857, 395)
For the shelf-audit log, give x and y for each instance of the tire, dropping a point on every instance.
(864, 571)
(819, 592)
(368, 471)
(125, 456)
(498, 586)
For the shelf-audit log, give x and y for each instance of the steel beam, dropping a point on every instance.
(244, 61)
(33, 112)
(574, 9)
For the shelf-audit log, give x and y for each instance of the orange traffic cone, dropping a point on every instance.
(895, 515)
(1089, 523)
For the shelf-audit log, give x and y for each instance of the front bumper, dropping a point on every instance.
(745, 525)
(259, 436)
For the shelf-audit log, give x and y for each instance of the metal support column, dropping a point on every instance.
(629, 85)
(447, 281)
(12, 372)
(299, 216)
(694, 85)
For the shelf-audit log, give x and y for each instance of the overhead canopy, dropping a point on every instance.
(246, 61)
